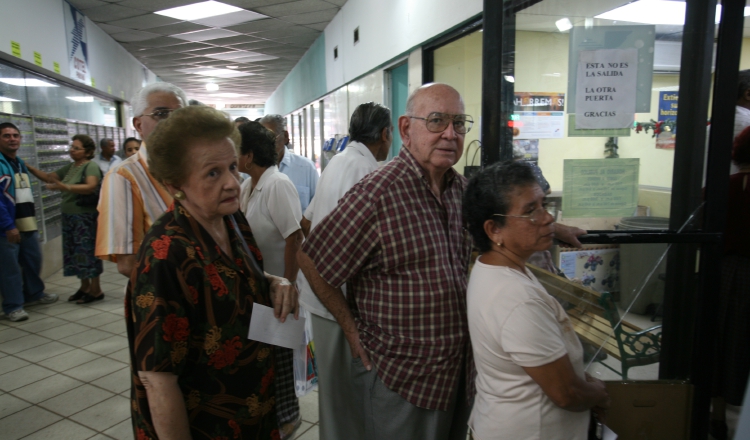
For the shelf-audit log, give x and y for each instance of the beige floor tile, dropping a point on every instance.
(57, 308)
(116, 382)
(63, 331)
(68, 281)
(308, 407)
(46, 388)
(121, 355)
(104, 415)
(116, 327)
(45, 351)
(76, 400)
(64, 429)
(303, 428)
(9, 333)
(86, 338)
(11, 363)
(109, 287)
(101, 319)
(101, 437)
(310, 434)
(78, 314)
(10, 404)
(69, 360)
(23, 376)
(23, 343)
(63, 291)
(107, 346)
(39, 325)
(26, 422)
(107, 305)
(121, 431)
(95, 369)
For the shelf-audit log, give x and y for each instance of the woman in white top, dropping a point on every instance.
(530, 382)
(271, 204)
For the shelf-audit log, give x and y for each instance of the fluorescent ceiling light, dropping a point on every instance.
(655, 12)
(206, 34)
(21, 82)
(563, 24)
(4, 99)
(232, 19)
(241, 56)
(219, 73)
(233, 67)
(200, 10)
(509, 78)
(228, 95)
(81, 98)
(212, 87)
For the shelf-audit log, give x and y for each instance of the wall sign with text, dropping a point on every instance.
(538, 115)
(605, 88)
(600, 187)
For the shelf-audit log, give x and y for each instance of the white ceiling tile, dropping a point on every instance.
(86, 4)
(205, 35)
(144, 21)
(131, 36)
(298, 7)
(112, 29)
(111, 12)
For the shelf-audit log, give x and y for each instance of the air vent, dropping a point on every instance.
(335, 52)
(356, 35)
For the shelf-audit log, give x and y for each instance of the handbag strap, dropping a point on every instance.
(251, 256)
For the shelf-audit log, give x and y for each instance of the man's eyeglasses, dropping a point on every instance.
(438, 122)
(536, 216)
(161, 114)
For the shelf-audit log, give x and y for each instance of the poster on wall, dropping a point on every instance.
(75, 31)
(605, 88)
(600, 187)
(667, 112)
(538, 115)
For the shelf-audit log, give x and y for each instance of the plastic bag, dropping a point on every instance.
(305, 368)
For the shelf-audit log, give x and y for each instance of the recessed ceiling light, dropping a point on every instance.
(199, 10)
(510, 78)
(233, 67)
(81, 98)
(655, 12)
(212, 87)
(4, 99)
(563, 24)
(21, 82)
(205, 35)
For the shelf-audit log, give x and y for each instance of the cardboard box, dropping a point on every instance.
(650, 410)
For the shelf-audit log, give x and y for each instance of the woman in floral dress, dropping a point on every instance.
(189, 301)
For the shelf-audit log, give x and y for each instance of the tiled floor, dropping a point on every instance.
(64, 372)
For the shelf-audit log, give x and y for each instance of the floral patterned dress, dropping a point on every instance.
(188, 308)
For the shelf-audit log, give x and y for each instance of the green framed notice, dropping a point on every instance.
(600, 187)
(602, 132)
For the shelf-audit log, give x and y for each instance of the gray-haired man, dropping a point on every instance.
(107, 158)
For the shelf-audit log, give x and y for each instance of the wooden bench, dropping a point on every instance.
(594, 315)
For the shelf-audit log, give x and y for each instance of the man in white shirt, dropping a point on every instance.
(299, 169)
(371, 135)
(107, 158)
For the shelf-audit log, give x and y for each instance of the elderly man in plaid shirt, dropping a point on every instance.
(397, 240)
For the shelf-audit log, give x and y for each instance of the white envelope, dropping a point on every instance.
(264, 327)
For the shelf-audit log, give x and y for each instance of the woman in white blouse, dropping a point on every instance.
(271, 205)
(530, 382)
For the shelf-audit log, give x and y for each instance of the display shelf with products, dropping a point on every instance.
(51, 136)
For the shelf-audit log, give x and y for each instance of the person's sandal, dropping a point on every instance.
(76, 296)
(86, 298)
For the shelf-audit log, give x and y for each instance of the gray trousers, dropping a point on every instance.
(336, 397)
(388, 416)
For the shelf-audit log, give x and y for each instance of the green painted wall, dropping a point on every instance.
(305, 83)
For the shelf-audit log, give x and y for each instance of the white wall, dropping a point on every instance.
(39, 25)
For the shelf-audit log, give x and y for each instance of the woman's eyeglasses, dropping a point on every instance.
(438, 122)
(536, 216)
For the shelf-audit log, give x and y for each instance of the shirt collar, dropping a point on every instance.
(362, 149)
(407, 157)
(287, 159)
(206, 248)
(265, 176)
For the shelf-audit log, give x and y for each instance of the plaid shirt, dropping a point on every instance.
(403, 255)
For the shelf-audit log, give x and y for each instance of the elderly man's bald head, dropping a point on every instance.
(431, 91)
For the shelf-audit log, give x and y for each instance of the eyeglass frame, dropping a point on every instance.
(531, 216)
(453, 118)
(168, 110)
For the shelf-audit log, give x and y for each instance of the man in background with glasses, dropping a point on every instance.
(131, 200)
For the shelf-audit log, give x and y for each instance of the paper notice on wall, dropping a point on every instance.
(78, 55)
(606, 88)
(600, 187)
